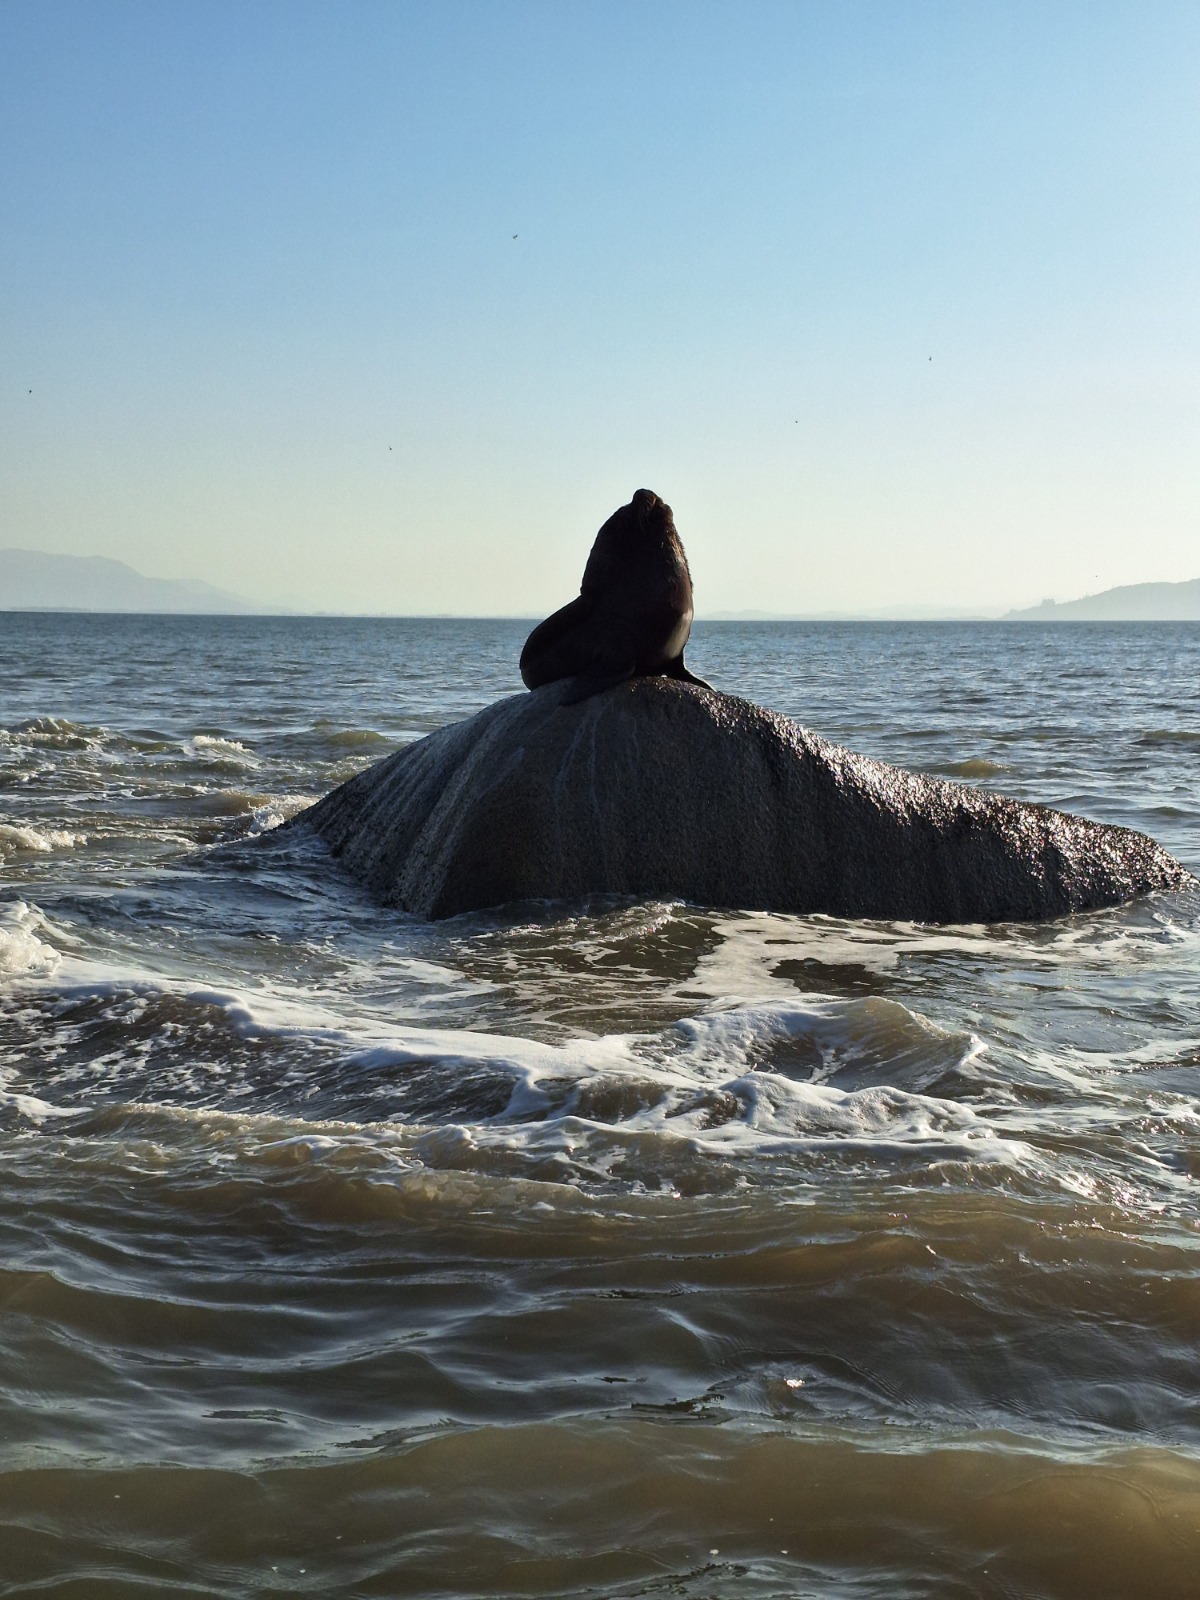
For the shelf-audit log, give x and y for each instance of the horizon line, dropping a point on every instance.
(277, 614)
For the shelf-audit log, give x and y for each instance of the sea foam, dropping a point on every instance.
(22, 953)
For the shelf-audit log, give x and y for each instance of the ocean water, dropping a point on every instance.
(613, 1248)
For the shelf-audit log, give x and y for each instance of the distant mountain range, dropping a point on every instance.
(30, 580)
(1132, 602)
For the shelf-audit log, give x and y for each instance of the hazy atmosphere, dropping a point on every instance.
(385, 307)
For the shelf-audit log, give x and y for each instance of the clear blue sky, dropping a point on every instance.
(895, 302)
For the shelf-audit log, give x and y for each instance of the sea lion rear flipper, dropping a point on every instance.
(586, 684)
(676, 669)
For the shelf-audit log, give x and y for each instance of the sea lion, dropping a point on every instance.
(633, 614)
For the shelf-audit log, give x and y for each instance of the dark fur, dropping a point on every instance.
(633, 614)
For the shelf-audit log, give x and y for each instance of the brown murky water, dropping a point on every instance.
(607, 1250)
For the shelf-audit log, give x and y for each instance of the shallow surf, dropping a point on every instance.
(597, 1249)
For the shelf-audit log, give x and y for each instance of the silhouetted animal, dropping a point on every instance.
(634, 611)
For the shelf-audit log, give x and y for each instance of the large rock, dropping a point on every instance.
(660, 789)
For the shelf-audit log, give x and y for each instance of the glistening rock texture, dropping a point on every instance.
(660, 789)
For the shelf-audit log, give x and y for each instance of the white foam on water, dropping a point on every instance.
(860, 1079)
(790, 1045)
(695, 1051)
(735, 1061)
(752, 946)
(29, 1106)
(276, 1009)
(277, 809)
(227, 752)
(22, 953)
(868, 1032)
(54, 732)
(24, 838)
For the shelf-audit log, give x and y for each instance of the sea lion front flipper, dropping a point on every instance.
(676, 669)
(551, 650)
(586, 684)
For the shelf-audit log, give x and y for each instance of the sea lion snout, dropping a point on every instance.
(645, 502)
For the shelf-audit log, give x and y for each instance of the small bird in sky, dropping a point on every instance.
(516, 236)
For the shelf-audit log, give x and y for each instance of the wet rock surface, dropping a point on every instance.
(660, 789)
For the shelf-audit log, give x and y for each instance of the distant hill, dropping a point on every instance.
(1132, 602)
(30, 580)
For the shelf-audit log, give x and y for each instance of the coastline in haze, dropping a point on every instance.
(31, 580)
(1131, 602)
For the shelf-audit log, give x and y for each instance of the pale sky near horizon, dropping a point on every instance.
(386, 307)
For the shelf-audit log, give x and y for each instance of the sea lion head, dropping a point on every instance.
(646, 520)
(652, 512)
